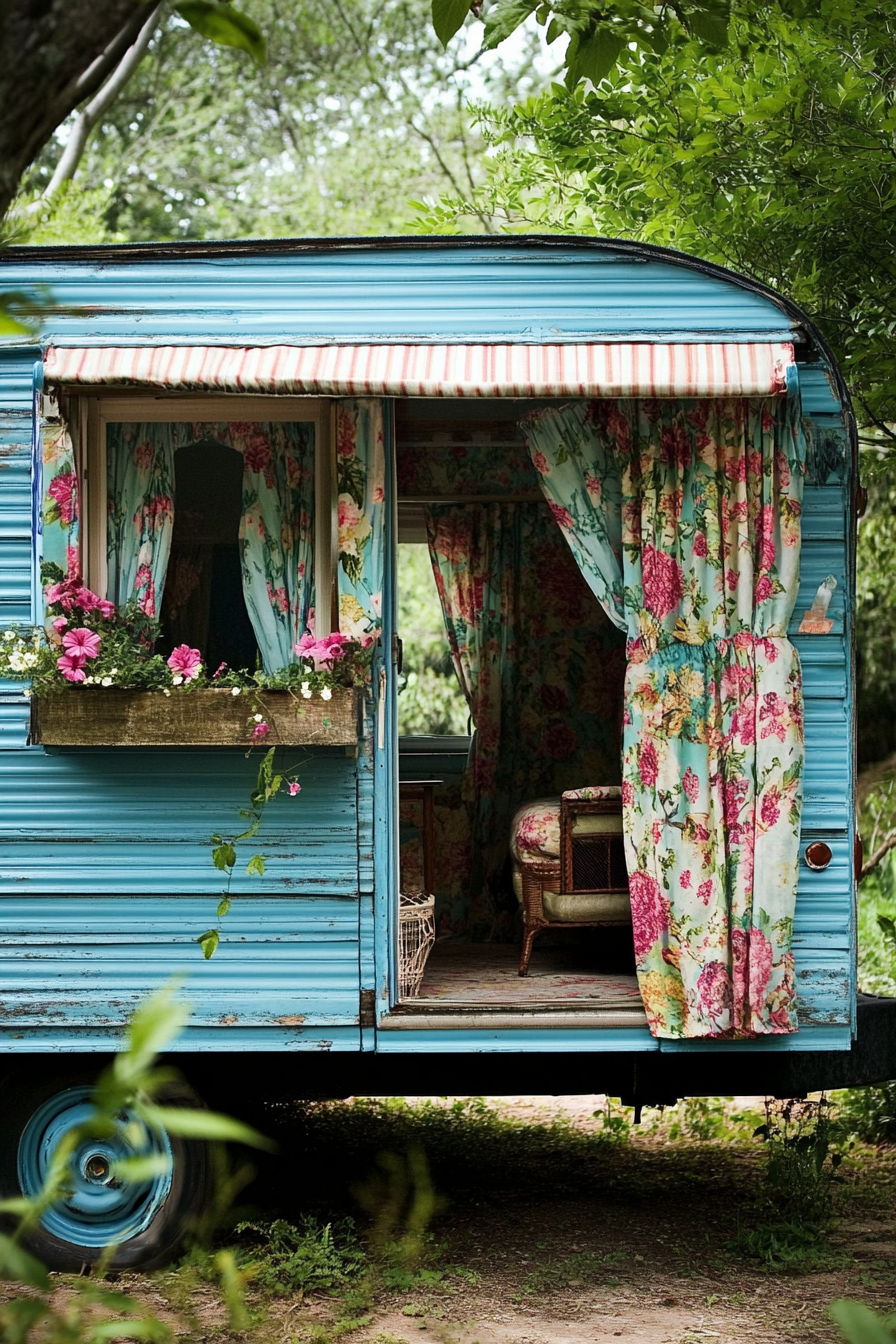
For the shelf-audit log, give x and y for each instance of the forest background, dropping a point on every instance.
(762, 137)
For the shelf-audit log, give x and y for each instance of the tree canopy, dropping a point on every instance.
(775, 156)
(357, 110)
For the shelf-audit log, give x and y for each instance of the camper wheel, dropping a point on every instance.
(144, 1221)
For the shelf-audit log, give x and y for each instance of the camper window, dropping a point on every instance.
(214, 513)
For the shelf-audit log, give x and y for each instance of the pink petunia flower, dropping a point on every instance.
(294, 788)
(71, 665)
(186, 662)
(260, 731)
(323, 652)
(60, 624)
(83, 642)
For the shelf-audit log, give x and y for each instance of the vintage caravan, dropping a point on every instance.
(635, 475)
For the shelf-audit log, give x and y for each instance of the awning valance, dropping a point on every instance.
(581, 370)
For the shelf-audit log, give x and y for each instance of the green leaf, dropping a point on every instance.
(208, 941)
(709, 23)
(594, 56)
(224, 856)
(859, 1324)
(232, 1285)
(256, 865)
(139, 1170)
(448, 18)
(223, 907)
(504, 18)
(18, 1266)
(147, 1327)
(152, 1028)
(225, 25)
(200, 1124)
(21, 1315)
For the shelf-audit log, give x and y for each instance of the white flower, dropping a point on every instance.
(326, 694)
(88, 681)
(106, 681)
(8, 635)
(114, 672)
(306, 690)
(259, 718)
(176, 681)
(29, 659)
(234, 690)
(165, 690)
(27, 695)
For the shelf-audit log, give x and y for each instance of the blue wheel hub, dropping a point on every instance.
(99, 1208)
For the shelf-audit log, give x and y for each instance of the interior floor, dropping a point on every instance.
(484, 975)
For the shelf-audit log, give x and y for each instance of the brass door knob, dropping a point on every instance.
(818, 855)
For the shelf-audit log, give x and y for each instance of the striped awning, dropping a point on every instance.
(581, 370)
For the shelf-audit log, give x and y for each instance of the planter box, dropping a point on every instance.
(106, 717)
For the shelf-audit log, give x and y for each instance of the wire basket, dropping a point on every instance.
(416, 935)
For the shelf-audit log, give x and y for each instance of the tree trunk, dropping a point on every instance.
(53, 55)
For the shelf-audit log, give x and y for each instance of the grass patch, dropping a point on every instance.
(283, 1259)
(790, 1248)
(574, 1271)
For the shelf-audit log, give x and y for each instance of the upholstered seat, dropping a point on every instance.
(536, 844)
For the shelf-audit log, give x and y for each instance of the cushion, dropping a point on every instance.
(593, 793)
(535, 831)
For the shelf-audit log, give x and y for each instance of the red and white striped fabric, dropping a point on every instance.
(610, 370)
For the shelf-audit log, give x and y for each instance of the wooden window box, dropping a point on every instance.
(110, 717)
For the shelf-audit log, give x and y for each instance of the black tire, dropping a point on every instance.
(169, 1216)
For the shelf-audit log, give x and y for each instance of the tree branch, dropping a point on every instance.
(879, 855)
(90, 115)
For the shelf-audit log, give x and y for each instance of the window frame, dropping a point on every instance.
(91, 414)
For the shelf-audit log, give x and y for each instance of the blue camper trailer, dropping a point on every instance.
(604, 445)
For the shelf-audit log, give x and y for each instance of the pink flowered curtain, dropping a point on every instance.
(140, 488)
(523, 631)
(360, 482)
(701, 561)
(60, 511)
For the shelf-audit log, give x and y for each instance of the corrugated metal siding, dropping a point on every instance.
(134, 825)
(399, 295)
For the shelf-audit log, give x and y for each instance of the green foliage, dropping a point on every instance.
(860, 1325)
(869, 1113)
(877, 891)
(92, 1313)
(598, 33)
(283, 1258)
(430, 699)
(876, 608)
(773, 156)
(357, 111)
(700, 1118)
(792, 1248)
(802, 1160)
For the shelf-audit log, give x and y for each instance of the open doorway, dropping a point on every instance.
(511, 696)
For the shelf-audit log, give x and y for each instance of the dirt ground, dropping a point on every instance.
(562, 1244)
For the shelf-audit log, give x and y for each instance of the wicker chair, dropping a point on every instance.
(569, 866)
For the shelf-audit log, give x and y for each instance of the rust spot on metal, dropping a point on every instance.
(228, 1019)
(290, 1020)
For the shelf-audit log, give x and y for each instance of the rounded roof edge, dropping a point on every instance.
(106, 253)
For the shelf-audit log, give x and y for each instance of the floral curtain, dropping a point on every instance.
(276, 528)
(704, 565)
(140, 488)
(360, 481)
(526, 637)
(60, 511)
